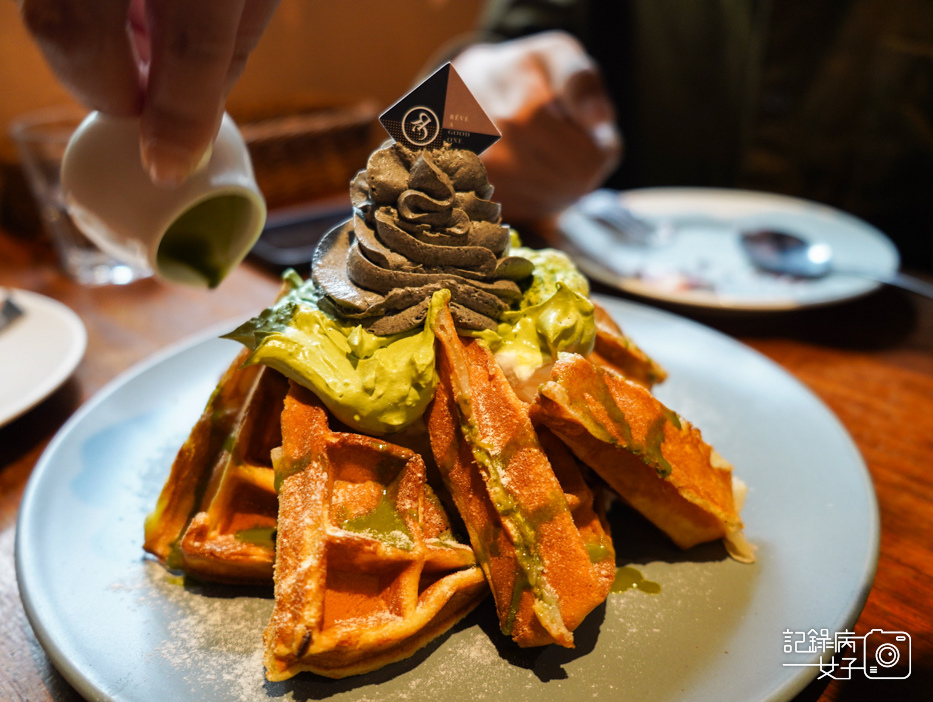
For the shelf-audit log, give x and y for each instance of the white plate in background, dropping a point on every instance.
(38, 352)
(703, 265)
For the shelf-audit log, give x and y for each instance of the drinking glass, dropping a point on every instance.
(41, 138)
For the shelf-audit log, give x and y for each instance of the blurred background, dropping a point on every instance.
(858, 137)
(338, 96)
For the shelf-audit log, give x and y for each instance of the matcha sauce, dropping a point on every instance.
(628, 578)
(522, 529)
(197, 245)
(384, 523)
(650, 452)
(597, 551)
(257, 536)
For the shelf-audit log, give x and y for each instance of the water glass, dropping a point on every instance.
(41, 138)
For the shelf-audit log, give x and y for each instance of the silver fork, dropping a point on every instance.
(9, 310)
(605, 207)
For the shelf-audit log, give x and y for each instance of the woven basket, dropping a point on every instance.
(307, 150)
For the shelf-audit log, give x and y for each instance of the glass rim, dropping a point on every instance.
(22, 127)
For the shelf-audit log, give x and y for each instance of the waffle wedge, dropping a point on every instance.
(366, 571)
(614, 350)
(546, 573)
(216, 515)
(654, 459)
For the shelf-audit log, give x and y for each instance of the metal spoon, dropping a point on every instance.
(788, 254)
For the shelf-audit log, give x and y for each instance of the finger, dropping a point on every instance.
(539, 177)
(88, 47)
(562, 57)
(585, 99)
(563, 158)
(576, 80)
(506, 79)
(192, 45)
(139, 31)
(564, 97)
(255, 19)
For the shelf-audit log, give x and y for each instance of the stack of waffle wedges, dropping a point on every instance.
(365, 564)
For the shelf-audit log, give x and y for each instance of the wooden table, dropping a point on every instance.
(869, 360)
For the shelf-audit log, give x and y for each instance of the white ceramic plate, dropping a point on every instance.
(702, 263)
(38, 352)
(119, 627)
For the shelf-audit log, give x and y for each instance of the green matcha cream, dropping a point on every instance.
(554, 315)
(383, 384)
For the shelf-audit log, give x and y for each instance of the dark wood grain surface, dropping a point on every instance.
(870, 360)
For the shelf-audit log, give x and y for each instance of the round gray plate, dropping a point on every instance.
(119, 627)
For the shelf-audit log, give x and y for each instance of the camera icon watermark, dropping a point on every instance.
(890, 649)
(879, 654)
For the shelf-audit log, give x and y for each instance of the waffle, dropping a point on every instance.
(616, 351)
(367, 570)
(546, 573)
(216, 515)
(654, 459)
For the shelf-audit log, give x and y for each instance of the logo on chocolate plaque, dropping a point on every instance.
(441, 110)
(420, 125)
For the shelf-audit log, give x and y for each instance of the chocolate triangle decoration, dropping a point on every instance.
(441, 110)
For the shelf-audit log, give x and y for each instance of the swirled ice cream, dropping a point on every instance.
(424, 235)
(422, 222)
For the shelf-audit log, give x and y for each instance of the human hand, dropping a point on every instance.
(169, 62)
(559, 139)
